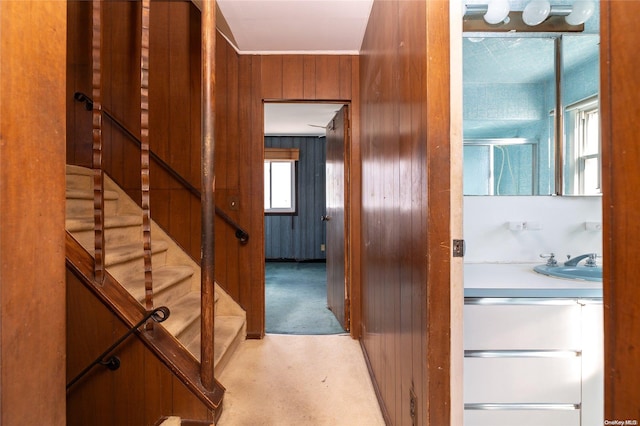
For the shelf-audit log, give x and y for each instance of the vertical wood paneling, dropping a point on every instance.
(141, 391)
(293, 68)
(196, 102)
(32, 185)
(256, 194)
(159, 92)
(621, 231)
(272, 70)
(328, 77)
(78, 80)
(180, 95)
(309, 83)
(405, 216)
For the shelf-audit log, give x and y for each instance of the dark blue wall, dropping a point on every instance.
(299, 237)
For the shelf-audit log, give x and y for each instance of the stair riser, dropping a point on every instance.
(190, 332)
(79, 182)
(134, 269)
(164, 297)
(84, 208)
(114, 237)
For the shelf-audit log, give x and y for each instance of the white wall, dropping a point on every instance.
(562, 221)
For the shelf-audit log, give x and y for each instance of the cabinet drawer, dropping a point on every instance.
(522, 380)
(522, 327)
(522, 418)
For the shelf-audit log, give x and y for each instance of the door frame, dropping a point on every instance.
(352, 210)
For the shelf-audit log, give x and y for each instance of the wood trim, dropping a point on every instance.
(620, 110)
(32, 211)
(283, 154)
(438, 128)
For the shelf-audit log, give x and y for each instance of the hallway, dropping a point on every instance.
(286, 380)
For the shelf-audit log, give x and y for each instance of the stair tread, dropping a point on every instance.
(163, 278)
(125, 252)
(183, 312)
(77, 224)
(78, 170)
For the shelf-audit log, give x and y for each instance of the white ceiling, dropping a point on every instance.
(298, 119)
(296, 26)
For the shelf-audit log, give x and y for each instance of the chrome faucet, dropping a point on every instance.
(591, 260)
(551, 259)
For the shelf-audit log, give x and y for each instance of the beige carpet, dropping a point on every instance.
(285, 380)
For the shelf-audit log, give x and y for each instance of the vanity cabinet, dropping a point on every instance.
(533, 361)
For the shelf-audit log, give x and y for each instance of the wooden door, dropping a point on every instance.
(337, 289)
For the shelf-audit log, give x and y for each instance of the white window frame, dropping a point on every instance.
(578, 116)
(280, 156)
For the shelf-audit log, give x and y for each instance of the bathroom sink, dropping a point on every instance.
(588, 273)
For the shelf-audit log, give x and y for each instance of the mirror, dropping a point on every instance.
(580, 87)
(508, 166)
(511, 91)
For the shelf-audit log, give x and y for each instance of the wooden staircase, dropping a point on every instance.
(176, 277)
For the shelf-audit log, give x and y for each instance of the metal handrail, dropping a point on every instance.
(240, 233)
(113, 362)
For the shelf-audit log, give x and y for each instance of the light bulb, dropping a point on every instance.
(582, 10)
(536, 12)
(497, 11)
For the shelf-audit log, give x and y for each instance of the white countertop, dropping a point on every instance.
(520, 280)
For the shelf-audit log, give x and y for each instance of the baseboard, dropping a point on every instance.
(376, 388)
(255, 335)
(282, 260)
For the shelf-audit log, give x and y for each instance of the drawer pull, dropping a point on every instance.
(522, 353)
(553, 301)
(521, 406)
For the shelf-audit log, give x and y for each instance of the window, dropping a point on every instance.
(583, 153)
(280, 181)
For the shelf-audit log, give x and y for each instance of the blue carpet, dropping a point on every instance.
(296, 299)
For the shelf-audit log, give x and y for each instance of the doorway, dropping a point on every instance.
(547, 224)
(298, 247)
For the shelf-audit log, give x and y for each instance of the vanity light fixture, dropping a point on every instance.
(497, 11)
(497, 14)
(536, 12)
(494, 12)
(582, 10)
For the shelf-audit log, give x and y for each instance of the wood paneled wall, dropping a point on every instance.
(32, 149)
(243, 83)
(620, 110)
(140, 392)
(174, 102)
(300, 236)
(406, 246)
